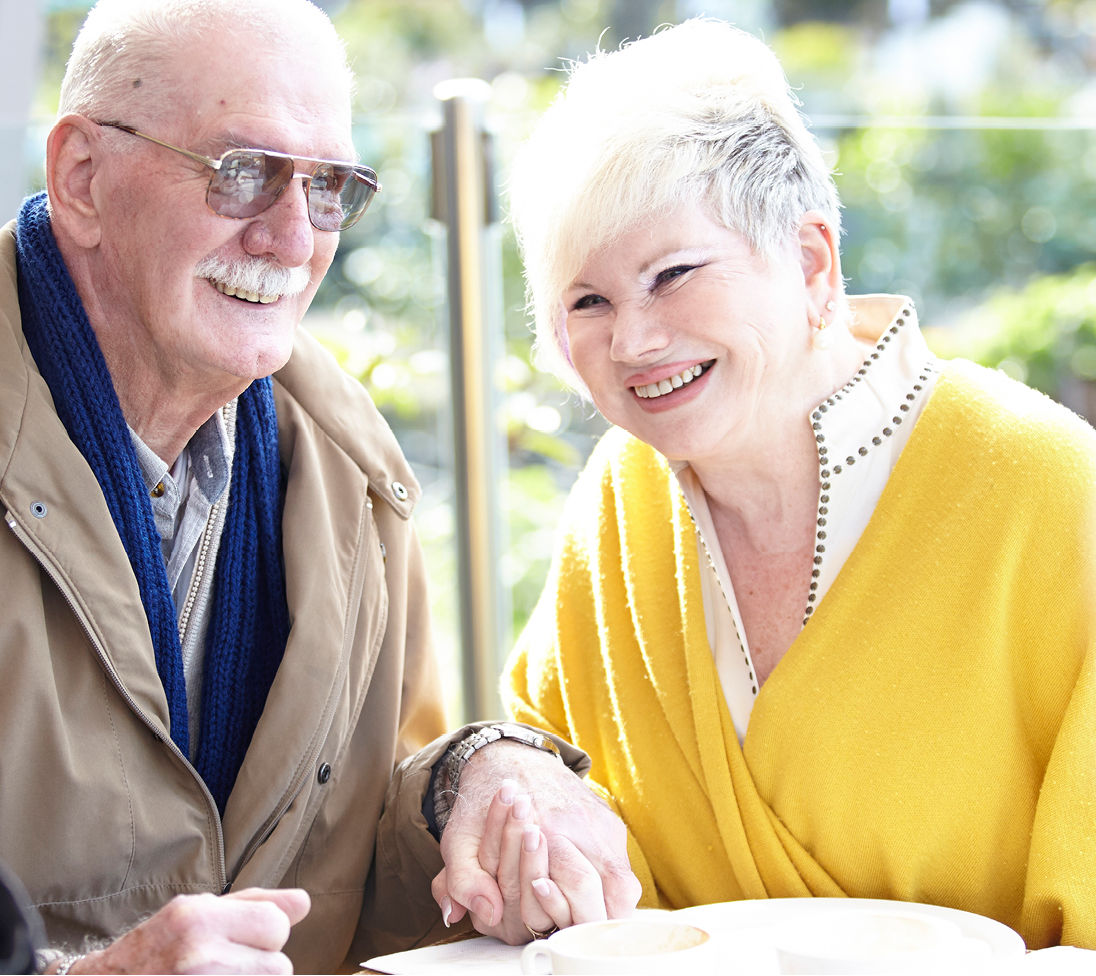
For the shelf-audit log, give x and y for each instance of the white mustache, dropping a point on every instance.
(259, 275)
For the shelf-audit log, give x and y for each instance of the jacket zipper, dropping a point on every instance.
(199, 573)
(40, 556)
(200, 567)
(228, 413)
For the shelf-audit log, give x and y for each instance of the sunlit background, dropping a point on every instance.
(962, 133)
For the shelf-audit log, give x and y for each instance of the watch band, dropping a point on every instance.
(459, 753)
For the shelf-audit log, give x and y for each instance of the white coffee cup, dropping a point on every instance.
(871, 941)
(640, 945)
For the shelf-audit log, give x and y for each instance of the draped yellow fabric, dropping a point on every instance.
(930, 735)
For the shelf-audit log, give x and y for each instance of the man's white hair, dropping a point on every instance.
(696, 113)
(116, 62)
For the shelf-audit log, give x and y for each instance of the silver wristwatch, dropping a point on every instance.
(456, 758)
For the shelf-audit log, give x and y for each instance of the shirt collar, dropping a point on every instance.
(207, 458)
(882, 394)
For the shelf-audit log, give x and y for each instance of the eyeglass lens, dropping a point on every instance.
(247, 183)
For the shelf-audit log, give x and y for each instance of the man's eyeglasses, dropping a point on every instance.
(245, 182)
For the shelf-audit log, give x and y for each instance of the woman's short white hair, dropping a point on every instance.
(114, 60)
(696, 113)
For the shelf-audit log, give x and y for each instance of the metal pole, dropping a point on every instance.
(464, 202)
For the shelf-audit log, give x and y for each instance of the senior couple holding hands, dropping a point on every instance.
(820, 620)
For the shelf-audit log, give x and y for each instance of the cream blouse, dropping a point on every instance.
(860, 430)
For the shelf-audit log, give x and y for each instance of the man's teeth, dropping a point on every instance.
(662, 387)
(247, 296)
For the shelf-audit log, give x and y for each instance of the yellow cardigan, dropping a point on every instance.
(929, 736)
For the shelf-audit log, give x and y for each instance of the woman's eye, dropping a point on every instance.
(670, 274)
(587, 301)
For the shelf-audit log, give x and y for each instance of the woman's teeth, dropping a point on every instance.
(247, 296)
(662, 387)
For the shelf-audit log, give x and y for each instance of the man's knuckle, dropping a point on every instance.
(196, 958)
(624, 896)
(278, 929)
(277, 962)
(621, 869)
(187, 912)
(590, 883)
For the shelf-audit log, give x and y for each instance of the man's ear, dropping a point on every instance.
(820, 258)
(72, 158)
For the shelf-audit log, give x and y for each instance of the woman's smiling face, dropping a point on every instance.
(689, 340)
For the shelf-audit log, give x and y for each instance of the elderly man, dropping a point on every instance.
(214, 632)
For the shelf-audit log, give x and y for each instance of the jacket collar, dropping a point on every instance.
(14, 354)
(343, 411)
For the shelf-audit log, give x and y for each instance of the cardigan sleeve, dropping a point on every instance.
(564, 626)
(1059, 901)
(1060, 893)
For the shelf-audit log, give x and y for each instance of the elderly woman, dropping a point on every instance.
(822, 610)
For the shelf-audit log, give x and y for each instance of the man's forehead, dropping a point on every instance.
(248, 63)
(223, 105)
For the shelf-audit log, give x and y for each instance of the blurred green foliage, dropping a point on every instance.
(1043, 335)
(949, 216)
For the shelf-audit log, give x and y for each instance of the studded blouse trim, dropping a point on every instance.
(830, 470)
(746, 659)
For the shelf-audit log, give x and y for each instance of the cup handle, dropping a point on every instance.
(536, 957)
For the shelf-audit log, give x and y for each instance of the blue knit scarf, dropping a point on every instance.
(250, 620)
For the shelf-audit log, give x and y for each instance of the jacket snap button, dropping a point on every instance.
(399, 491)
(324, 773)
(38, 509)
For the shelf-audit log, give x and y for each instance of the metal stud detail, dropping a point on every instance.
(827, 470)
(719, 583)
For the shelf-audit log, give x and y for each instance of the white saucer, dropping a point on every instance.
(748, 931)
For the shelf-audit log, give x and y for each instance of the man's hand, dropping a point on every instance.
(241, 932)
(529, 846)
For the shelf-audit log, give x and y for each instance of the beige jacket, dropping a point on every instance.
(100, 815)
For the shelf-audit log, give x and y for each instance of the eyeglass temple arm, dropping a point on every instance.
(197, 157)
(369, 176)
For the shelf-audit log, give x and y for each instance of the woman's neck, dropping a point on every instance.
(768, 487)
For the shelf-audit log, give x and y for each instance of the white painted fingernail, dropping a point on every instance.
(530, 838)
(446, 911)
(522, 806)
(541, 887)
(507, 791)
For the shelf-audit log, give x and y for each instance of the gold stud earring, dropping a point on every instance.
(822, 338)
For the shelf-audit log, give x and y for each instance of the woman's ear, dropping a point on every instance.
(72, 158)
(820, 258)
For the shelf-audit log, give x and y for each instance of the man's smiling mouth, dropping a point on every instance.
(671, 383)
(244, 294)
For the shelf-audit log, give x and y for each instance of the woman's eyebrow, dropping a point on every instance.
(675, 255)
